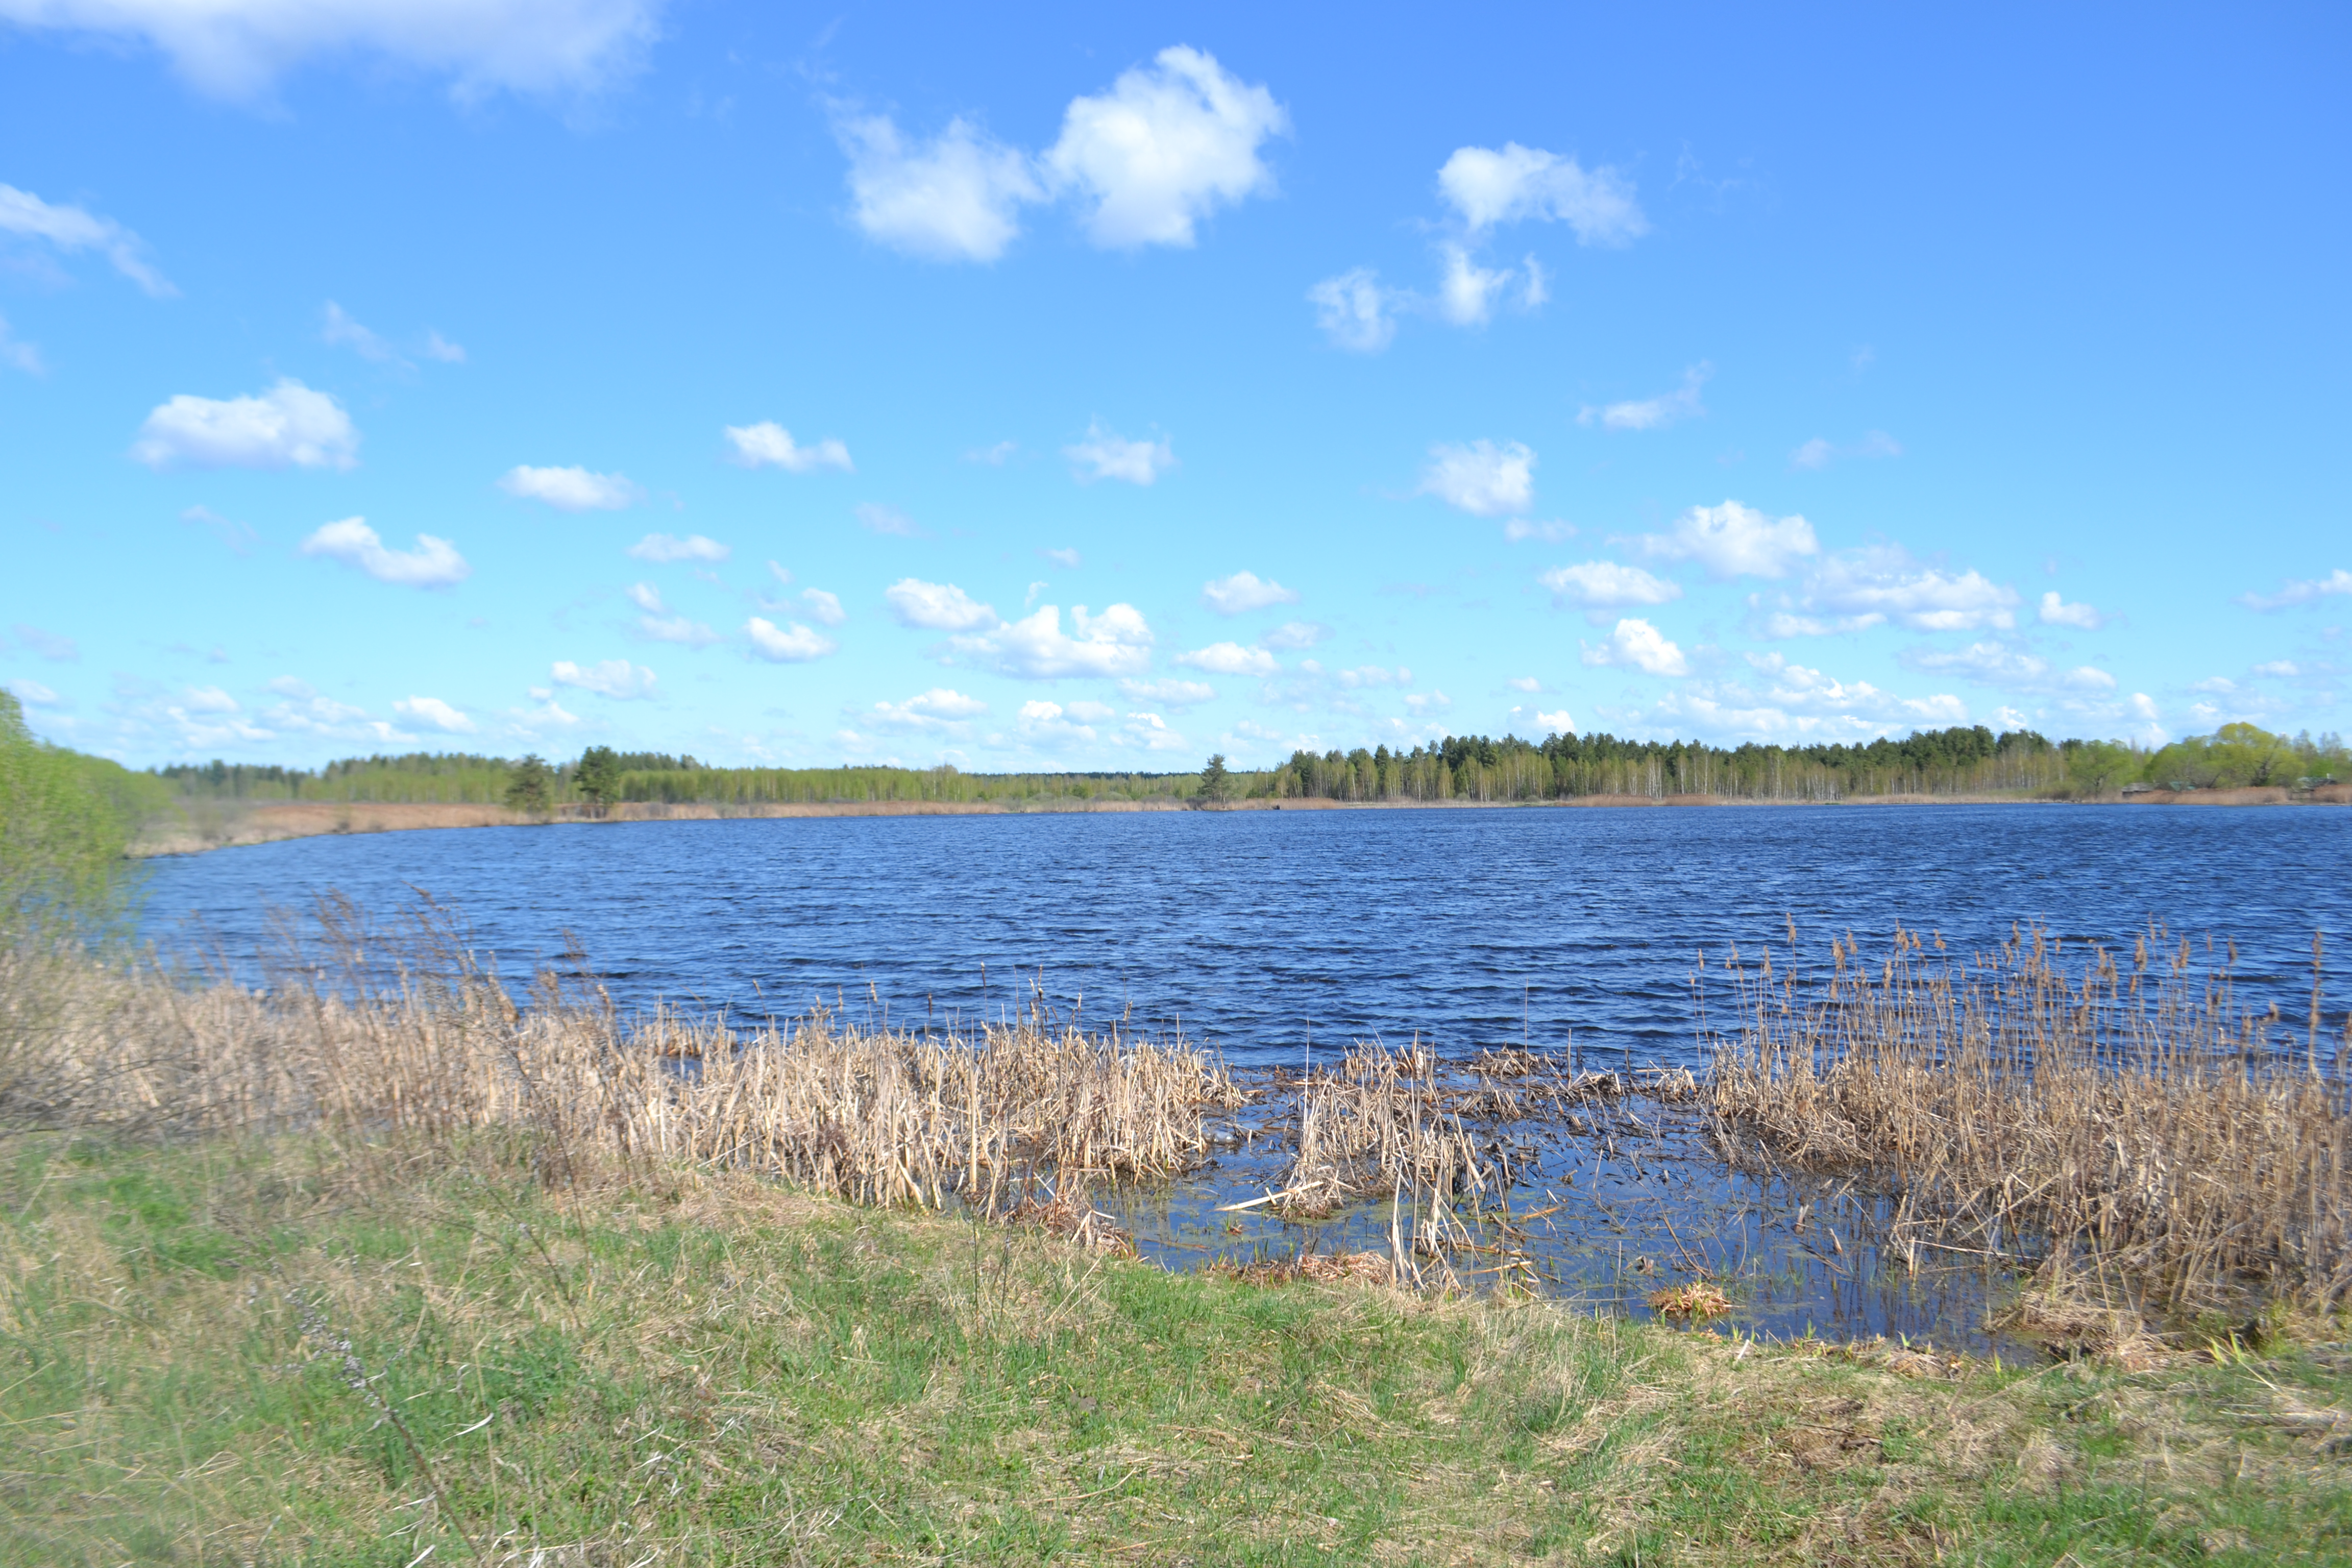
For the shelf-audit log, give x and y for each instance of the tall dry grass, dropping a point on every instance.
(2126, 1119)
(408, 1037)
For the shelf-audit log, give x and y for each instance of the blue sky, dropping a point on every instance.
(1109, 387)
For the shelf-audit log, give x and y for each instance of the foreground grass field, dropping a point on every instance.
(292, 1352)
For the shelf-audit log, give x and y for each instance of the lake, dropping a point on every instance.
(1259, 932)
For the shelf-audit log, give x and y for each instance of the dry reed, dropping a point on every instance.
(2128, 1121)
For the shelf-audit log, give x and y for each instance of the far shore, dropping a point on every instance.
(238, 824)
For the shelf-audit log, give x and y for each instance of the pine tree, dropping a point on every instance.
(1216, 785)
(527, 786)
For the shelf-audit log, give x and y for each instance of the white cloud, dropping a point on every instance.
(1820, 453)
(1050, 724)
(664, 548)
(1152, 732)
(1883, 583)
(2300, 592)
(1481, 477)
(570, 490)
(1230, 658)
(646, 597)
(887, 520)
(2283, 669)
(33, 694)
(824, 607)
(1553, 532)
(1562, 722)
(1524, 683)
(1373, 675)
(1353, 311)
(1170, 693)
(1243, 592)
(2014, 669)
(288, 427)
(1732, 540)
(2055, 612)
(795, 644)
(1489, 187)
(935, 606)
(1639, 645)
(1295, 635)
(341, 331)
(769, 446)
(440, 348)
(1106, 455)
(1115, 643)
(73, 228)
(236, 50)
(936, 709)
(1597, 586)
(1790, 702)
(956, 197)
(614, 678)
(1068, 558)
(209, 700)
(434, 563)
(1653, 412)
(993, 456)
(1169, 143)
(1467, 295)
(16, 353)
(434, 711)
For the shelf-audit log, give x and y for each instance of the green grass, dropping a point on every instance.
(689, 1369)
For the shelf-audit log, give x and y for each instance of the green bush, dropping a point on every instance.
(67, 821)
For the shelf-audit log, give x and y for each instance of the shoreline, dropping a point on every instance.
(240, 826)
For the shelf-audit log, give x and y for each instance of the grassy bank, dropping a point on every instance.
(306, 1351)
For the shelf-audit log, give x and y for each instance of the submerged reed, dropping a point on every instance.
(2130, 1121)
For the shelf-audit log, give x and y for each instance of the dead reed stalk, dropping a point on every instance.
(2129, 1120)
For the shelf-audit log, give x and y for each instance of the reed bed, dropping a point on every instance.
(427, 1044)
(2123, 1120)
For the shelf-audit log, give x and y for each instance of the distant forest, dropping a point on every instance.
(1960, 761)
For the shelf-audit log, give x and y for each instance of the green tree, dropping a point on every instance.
(527, 785)
(597, 777)
(65, 825)
(1216, 783)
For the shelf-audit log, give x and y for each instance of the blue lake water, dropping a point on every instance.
(1256, 929)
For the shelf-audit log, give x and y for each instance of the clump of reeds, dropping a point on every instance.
(2126, 1119)
(414, 1039)
(1379, 1125)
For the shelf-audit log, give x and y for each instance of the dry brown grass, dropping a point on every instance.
(2124, 1120)
(402, 1033)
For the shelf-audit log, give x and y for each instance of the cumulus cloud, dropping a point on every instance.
(2055, 612)
(1732, 540)
(1467, 292)
(1295, 635)
(1480, 476)
(2010, 668)
(935, 606)
(33, 694)
(1167, 144)
(1489, 187)
(340, 331)
(1354, 311)
(434, 711)
(769, 444)
(822, 606)
(1638, 645)
(1115, 643)
(1601, 586)
(1243, 592)
(1230, 658)
(1652, 413)
(1561, 722)
(793, 644)
(440, 348)
(1520, 528)
(72, 228)
(614, 678)
(570, 490)
(1170, 693)
(936, 709)
(660, 625)
(1068, 558)
(1152, 732)
(236, 49)
(1864, 587)
(1105, 454)
(434, 563)
(955, 197)
(662, 549)
(289, 426)
(1049, 724)
(2301, 591)
(1785, 701)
